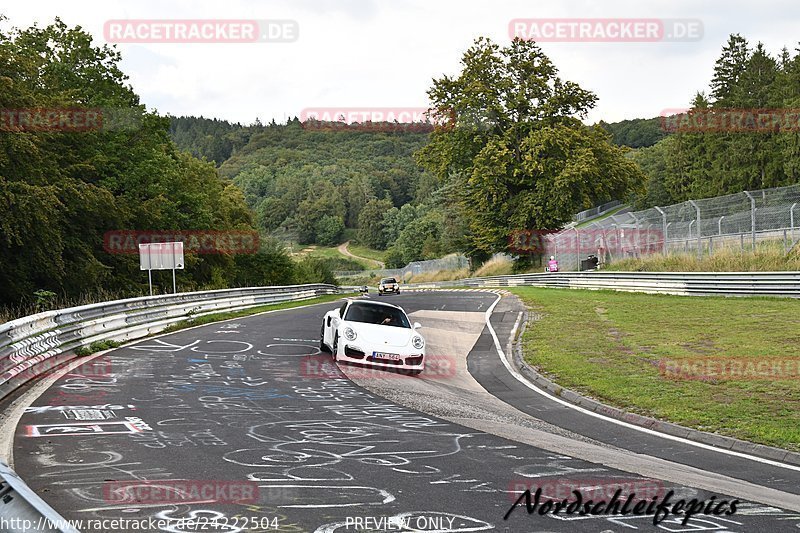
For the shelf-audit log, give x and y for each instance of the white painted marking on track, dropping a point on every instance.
(539, 391)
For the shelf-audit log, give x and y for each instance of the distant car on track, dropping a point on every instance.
(374, 333)
(388, 285)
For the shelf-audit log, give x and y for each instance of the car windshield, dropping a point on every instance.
(383, 315)
(389, 280)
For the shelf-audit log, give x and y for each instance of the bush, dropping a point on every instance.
(312, 270)
(329, 230)
(394, 259)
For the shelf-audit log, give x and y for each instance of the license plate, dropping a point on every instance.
(389, 356)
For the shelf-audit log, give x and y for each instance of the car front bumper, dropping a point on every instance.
(356, 354)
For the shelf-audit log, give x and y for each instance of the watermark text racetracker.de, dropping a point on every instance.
(731, 369)
(584, 240)
(72, 119)
(383, 119)
(175, 491)
(606, 30)
(730, 120)
(40, 365)
(322, 366)
(194, 241)
(201, 31)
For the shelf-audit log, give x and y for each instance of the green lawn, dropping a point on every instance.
(608, 345)
(364, 251)
(339, 261)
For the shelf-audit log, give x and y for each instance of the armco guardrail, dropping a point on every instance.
(32, 345)
(22, 510)
(785, 284)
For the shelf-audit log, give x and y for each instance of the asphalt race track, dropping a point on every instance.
(252, 402)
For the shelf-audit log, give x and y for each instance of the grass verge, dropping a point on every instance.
(369, 253)
(611, 346)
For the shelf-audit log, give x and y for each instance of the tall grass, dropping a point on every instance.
(767, 256)
(442, 275)
(497, 266)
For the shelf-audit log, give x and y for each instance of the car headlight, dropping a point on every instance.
(417, 342)
(349, 334)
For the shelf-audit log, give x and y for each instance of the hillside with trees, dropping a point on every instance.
(310, 185)
(700, 162)
(213, 139)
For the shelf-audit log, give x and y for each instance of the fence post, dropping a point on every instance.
(578, 247)
(686, 241)
(637, 241)
(719, 225)
(791, 219)
(699, 237)
(664, 220)
(619, 237)
(752, 218)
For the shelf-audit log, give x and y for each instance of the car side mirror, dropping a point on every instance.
(417, 325)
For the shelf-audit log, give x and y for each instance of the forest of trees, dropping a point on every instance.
(703, 163)
(213, 139)
(635, 133)
(311, 184)
(61, 191)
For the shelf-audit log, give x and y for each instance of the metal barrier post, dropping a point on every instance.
(578, 248)
(699, 237)
(637, 239)
(664, 220)
(752, 217)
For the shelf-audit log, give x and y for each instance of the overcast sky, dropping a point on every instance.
(384, 53)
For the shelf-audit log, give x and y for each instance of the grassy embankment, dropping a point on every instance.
(611, 346)
(767, 256)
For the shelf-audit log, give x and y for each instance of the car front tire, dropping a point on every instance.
(335, 350)
(322, 346)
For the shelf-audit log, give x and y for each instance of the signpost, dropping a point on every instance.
(161, 256)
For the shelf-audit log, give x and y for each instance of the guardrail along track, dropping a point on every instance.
(786, 284)
(34, 344)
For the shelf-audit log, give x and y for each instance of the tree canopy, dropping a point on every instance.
(513, 143)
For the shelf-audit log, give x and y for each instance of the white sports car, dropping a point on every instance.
(375, 333)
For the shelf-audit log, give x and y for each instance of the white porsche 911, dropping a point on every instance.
(374, 333)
